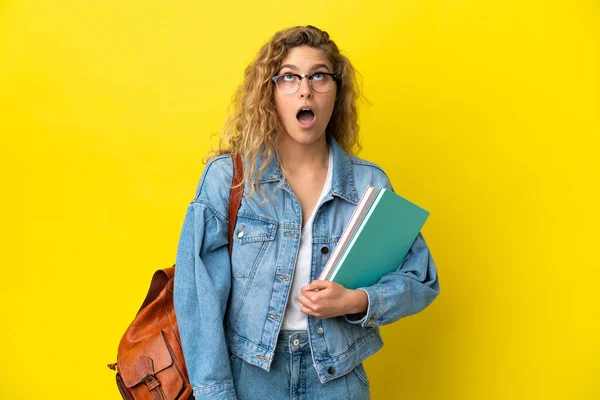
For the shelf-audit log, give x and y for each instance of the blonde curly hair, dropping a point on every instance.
(252, 127)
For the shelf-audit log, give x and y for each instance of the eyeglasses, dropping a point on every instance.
(320, 82)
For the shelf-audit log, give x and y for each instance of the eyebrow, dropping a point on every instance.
(314, 67)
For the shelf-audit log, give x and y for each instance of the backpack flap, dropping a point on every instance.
(149, 367)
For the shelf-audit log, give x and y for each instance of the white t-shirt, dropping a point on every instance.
(294, 319)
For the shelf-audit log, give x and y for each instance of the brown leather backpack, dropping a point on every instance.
(150, 364)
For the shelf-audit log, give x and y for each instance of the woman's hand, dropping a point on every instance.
(325, 299)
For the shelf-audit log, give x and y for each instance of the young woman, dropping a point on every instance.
(260, 326)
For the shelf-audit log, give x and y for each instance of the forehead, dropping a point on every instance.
(304, 57)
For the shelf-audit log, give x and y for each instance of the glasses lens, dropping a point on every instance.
(288, 84)
(322, 83)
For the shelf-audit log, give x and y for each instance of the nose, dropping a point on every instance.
(305, 89)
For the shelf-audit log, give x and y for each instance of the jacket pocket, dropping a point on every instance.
(359, 370)
(251, 238)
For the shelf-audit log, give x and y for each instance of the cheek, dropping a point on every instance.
(330, 103)
(278, 107)
(281, 106)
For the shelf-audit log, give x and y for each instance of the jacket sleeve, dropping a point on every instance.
(406, 291)
(202, 284)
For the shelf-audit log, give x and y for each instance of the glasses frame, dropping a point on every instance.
(307, 76)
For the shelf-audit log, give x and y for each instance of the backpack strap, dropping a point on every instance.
(235, 195)
(159, 281)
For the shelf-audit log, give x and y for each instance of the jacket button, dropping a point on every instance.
(331, 370)
(320, 331)
(324, 250)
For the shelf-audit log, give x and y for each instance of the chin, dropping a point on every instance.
(306, 137)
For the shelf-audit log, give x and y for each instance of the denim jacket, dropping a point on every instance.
(235, 307)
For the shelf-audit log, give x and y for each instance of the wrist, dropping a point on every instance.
(360, 302)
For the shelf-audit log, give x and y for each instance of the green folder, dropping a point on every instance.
(381, 241)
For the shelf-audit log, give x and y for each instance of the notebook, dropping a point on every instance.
(376, 240)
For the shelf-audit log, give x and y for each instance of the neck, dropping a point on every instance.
(296, 157)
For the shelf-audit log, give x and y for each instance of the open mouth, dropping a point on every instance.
(305, 116)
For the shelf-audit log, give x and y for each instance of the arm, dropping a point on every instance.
(202, 284)
(406, 291)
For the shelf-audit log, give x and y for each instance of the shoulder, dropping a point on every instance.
(368, 173)
(214, 185)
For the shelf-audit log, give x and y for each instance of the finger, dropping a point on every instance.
(306, 302)
(306, 290)
(311, 295)
(317, 285)
(307, 311)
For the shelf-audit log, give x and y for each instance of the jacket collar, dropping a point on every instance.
(342, 179)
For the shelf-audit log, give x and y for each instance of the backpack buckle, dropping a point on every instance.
(151, 382)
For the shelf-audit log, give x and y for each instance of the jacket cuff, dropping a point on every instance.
(368, 319)
(222, 391)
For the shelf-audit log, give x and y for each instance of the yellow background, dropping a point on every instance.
(484, 113)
